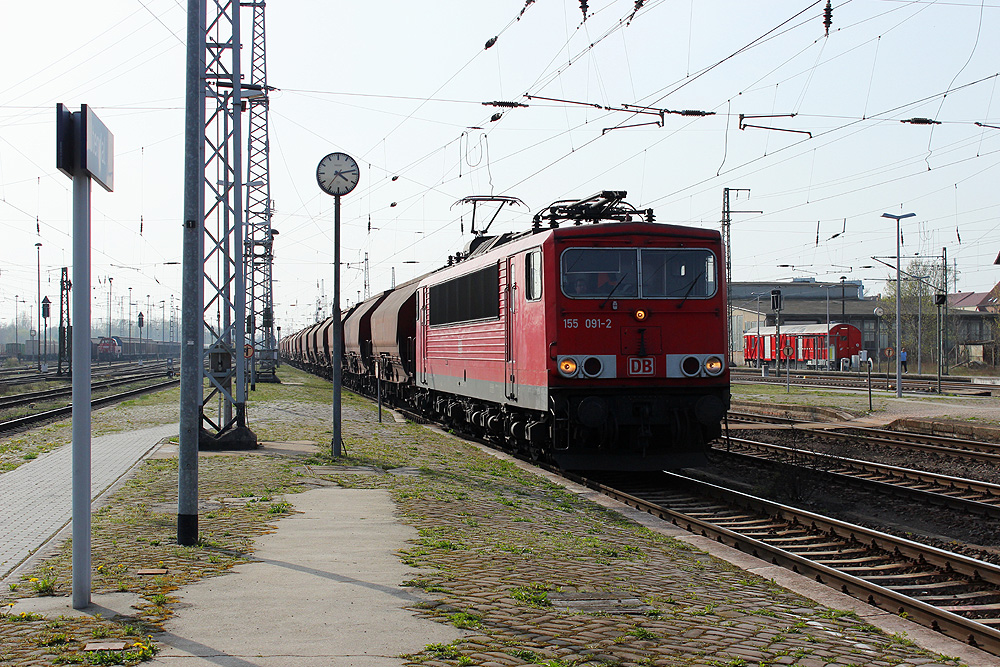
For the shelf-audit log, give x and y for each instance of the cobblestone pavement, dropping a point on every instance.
(533, 572)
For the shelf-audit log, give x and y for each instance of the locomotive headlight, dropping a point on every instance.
(714, 365)
(640, 315)
(568, 367)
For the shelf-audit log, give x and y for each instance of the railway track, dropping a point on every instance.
(953, 594)
(10, 378)
(34, 419)
(935, 444)
(952, 385)
(965, 495)
(27, 398)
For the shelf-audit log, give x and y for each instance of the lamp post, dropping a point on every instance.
(110, 286)
(15, 325)
(899, 323)
(843, 300)
(130, 319)
(878, 336)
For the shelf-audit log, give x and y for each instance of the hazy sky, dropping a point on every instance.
(401, 86)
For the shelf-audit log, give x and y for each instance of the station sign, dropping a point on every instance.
(84, 144)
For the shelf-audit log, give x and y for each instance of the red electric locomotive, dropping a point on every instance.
(596, 346)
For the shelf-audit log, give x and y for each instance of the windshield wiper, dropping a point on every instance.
(690, 287)
(620, 281)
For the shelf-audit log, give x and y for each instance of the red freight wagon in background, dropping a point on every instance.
(813, 345)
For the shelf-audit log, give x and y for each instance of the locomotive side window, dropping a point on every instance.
(600, 272)
(474, 296)
(678, 273)
(533, 275)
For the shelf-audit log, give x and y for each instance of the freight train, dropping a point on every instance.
(596, 339)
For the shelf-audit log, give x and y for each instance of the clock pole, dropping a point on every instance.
(337, 174)
(337, 332)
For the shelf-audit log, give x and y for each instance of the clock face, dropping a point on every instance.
(337, 174)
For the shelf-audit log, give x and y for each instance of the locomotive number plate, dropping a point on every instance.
(587, 322)
(641, 366)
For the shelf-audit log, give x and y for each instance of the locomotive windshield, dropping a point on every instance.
(648, 273)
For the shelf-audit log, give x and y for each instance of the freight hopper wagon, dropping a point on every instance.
(599, 344)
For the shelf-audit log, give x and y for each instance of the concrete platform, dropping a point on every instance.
(323, 590)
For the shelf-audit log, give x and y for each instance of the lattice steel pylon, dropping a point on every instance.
(259, 244)
(213, 346)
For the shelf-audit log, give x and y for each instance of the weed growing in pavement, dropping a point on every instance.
(43, 585)
(53, 639)
(524, 654)
(23, 617)
(465, 620)
(425, 585)
(642, 634)
(139, 651)
(534, 595)
(443, 651)
(279, 508)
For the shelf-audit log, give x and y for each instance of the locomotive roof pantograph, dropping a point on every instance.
(499, 200)
(606, 205)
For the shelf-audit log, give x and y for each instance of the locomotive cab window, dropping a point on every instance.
(650, 273)
(597, 273)
(533, 275)
(678, 273)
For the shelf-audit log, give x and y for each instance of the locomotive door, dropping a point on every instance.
(422, 320)
(510, 329)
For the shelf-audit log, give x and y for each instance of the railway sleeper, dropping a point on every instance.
(970, 597)
(921, 578)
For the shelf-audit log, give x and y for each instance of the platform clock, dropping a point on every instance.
(337, 174)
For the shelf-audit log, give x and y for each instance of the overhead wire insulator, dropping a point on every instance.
(921, 121)
(828, 17)
(490, 42)
(495, 117)
(505, 104)
(583, 8)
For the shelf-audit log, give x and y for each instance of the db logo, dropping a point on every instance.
(641, 366)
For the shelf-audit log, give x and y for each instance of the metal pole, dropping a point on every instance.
(337, 333)
(899, 321)
(15, 327)
(81, 392)
(920, 307)
(192, 297)
(940, 346)
(38, 350)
